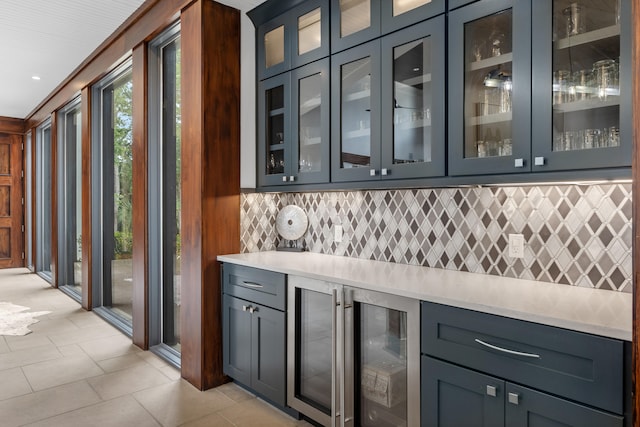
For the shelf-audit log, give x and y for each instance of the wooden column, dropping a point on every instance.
(140, 236)
(210, 42)
(635, 71)
(85, 111)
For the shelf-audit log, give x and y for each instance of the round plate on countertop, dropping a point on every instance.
(291, 222)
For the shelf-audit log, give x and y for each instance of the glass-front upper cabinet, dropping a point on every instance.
(293, 120)
(388, 97)
(354, 22)
(295, 38)
(273, 129)
(489, 88)
(357, 21)
(581, 84)
(413, 100)
(397, 14)
(355, 113)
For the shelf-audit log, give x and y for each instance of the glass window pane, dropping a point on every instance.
(488, 86)
(43, 200)
(402, 6)
(309, 133)
(309, 31)
(70, 200)
(355, 120)
(585, 80)
(355, 15)
(412, 102)
(274, 47)
(118, 208)
(171, 203)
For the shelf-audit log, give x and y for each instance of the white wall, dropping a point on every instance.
(247, 103)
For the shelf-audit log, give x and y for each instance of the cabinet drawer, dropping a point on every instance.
(579, 366)
(252, 284)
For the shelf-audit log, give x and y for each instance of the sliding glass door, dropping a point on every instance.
(164, 194)
(43, 201)
(112, 124)
(70, 199)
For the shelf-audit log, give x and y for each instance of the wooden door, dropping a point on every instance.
(11, 201)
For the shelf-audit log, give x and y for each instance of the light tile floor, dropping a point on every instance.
(74, 369)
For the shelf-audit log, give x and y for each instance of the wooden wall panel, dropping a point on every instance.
(211, 183)
(140, 233)
(87, 269)
(11, 125)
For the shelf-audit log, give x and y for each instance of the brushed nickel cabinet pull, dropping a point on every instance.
(505, 350)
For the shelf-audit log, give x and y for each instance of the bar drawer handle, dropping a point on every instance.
(253, 285)
(253, 309)
(504, 350)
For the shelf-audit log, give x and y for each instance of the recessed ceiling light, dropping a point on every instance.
(35, 77)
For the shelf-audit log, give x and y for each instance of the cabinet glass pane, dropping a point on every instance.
(383, 366)
(274, 47)
(309, 132)
(402, 6)
(275, 130)
(355, 15)
(309, 31)
(355, 117)
(412, 102)
(585, 80)
(314, 347)
(488, 86)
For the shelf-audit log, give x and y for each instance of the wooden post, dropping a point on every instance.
(210, 39)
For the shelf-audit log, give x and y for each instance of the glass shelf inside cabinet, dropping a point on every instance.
(412, 102)
(356, 114)
(488, 86)
(585, 81)
(275, 131)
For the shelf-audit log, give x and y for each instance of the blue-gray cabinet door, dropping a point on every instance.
(490, 88)
(354, 22)
(413, 101)
(273, 46)
(581, 81)
(355, 114)
(530, 408)
(236, 339)
(268, 353)
(310, 38)
(453, 396)
(310, 123)
(274, 130)
(397, 14)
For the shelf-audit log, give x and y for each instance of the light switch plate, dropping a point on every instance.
(516, 245)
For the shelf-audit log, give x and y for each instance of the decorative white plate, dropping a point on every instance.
(291, 222)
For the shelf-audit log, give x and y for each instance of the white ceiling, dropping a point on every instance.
(50, 38)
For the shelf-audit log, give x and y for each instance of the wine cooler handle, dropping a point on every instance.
(334, 359)
(348, 360)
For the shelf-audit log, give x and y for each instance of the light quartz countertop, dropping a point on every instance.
(594, 311)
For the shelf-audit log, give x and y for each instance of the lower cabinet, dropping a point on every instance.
(453, 396)
(254, 347)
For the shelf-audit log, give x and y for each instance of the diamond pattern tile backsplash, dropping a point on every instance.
(574, 234)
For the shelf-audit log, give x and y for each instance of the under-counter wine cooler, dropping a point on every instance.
(353, 355)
